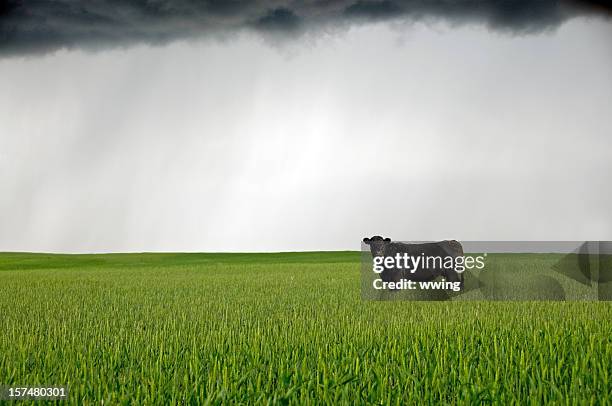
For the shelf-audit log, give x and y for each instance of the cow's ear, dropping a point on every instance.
(387, 239)
(366, 240)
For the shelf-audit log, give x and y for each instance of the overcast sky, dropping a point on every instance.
(255, 142)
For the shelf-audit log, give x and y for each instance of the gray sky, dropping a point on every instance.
(414, 131)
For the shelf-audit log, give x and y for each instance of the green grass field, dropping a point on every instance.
(282, 328)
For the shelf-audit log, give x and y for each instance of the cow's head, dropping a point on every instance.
(377, 245)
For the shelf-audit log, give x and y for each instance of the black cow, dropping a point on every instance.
(384, 247)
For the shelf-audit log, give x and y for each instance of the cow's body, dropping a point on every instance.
(441, 249)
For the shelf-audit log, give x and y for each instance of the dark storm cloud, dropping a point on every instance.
(373, 9)
(280, 19)
(45, 25)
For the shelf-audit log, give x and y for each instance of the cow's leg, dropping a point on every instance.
(450, 275)
(453, 276)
